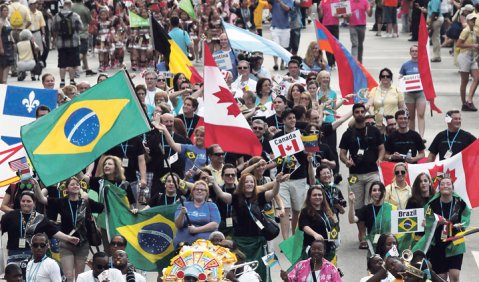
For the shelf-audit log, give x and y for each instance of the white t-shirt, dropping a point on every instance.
(46, 270)
(138, 277)
(390, 278)
(113, 275)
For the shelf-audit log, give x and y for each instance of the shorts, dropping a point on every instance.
(361, 188)
(293, 193)
(390, 15)
(67, 249)
(414, 97)
(68, 57)
(281, 36)
(83, 46)
(466, 62)
(441, 263)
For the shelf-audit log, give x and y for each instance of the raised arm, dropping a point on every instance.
(352, 213)
(175, 146)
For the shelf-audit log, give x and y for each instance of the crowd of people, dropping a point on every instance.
(227, 195)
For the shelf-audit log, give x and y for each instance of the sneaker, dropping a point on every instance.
(21, 76)
(387, 35)
(472, 107)
(62, 84)
(90, 72)
(468, 107)
(436, 60)
(378, 34)
(395, 35)
(73, 83)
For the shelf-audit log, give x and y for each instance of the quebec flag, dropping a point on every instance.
(17, 107)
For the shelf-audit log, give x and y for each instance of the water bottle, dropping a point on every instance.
(409, 154)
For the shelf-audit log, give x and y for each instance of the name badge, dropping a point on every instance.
(448, 154)
(444, 232)
(360, 152)
(173, 158)
(259, 224)
(229, 222)
(124, 162)
(22, 243)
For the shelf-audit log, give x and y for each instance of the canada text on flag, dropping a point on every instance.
(287, 145)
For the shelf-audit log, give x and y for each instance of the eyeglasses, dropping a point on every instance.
(150, 78)
(258, 128)
(243, 68)
(398, 172)
(314, 131)
(230, 174)
(101, 267)
(201, 190)
(385, 76)
(161, 79)
(36, 245)
(117, 244)
(219, 154)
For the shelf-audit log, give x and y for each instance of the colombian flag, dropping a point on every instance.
(149, 233)
(72, 136)
(177, 61)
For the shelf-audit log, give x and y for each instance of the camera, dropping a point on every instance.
(341, 202)
(338, 177)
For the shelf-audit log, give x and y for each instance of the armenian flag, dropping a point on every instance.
(177, 61)
(72, 136)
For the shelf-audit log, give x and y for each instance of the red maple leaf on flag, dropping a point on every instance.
(225, 96)
(437, 173)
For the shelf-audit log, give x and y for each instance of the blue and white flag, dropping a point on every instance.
(244, 40)
(17, 107)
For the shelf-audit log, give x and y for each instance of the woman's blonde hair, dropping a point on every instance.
(201, 182)
(119, 170)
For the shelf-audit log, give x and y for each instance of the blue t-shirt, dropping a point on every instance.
(409, 67)
(280, 18)
(193, 156)
(201, 216)
(331, 95)
(181, 38)
(434, 6)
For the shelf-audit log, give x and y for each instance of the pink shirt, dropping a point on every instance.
(328, 18)
(359, 10)
(302, 270)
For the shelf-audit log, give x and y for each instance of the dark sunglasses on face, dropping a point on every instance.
(314, 131)
(118, 244)
(161, 79)
(385, 76)
(36, 245)
(219, 154)
(229, 175)
(258, 128)
(101, 267)
(242, 68)
(398, 172)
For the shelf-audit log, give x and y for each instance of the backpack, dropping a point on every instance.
(66, 25)
(16, 19)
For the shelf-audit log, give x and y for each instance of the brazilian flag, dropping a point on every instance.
(407, 224)
(149, 233)
(72, 136)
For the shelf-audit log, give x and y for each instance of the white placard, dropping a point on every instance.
(287, 145)
(407, 221)
(223, 60)
(341, 8)
(409, 83)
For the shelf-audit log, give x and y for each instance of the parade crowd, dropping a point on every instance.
(224, 194)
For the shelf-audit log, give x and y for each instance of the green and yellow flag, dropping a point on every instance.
(72, 136)
(137, 21)
(187, 6)
(149, 233)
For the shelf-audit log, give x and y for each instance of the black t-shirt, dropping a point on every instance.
(11, 225)
(319, 222)
(325, 152)
(333, 192)
(287, 164)
(95, 186)
(412, 203)
(155, 141)
(458, 142)
(130, 149)
(161, 199)
(243, 222)
(68, 210)
(224, 209)
(275, 121)
(403, 142)
(190, 123)
(369, 214)
(367, 139)
(51, 211)
(444, 209)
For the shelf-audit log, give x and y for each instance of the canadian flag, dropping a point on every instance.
(462, 168)
(287, 145)
(224, 123)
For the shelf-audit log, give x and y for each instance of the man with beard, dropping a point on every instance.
(100, 265)
(391, 126)
(120, 262)
(366, 150)
(40, 267)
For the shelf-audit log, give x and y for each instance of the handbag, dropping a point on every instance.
(454, 30)
(269, 228)
(92, 232)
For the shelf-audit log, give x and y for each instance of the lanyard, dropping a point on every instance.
(124, 148)
(24, 225)
(32, 274)
(399, 199)
(279, 125)
(74, 216)
(365, 136)
(166, 202)
(450, 211)
(228, 206)
(330, 197)
(166, 145)
(449, 144)
(380, 220)
(188, 127)
(325, 219)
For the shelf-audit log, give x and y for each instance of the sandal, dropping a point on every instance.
(363, 245)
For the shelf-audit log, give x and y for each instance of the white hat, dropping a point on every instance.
(67, 2)
(471, 17)
(32, 2)
(467, 7)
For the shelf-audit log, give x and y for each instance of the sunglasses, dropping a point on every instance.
(385, 76)
(258, 128)
(36, 245)
(243, 68)
(101, 267)
(161, 79)
(117, 244)
(229, 174)
(219, 154)
(314, 131)
(398, 172)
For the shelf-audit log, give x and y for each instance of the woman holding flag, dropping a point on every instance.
(446, 256)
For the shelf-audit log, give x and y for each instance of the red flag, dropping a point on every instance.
(224, 123)
(424, 65)
(461, 168)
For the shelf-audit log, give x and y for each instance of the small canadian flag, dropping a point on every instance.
(287, 145)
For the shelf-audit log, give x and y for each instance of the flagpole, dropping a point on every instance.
(136, 96)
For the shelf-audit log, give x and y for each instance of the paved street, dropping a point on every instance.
(379, 53)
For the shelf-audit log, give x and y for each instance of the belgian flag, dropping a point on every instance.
(176, 60)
